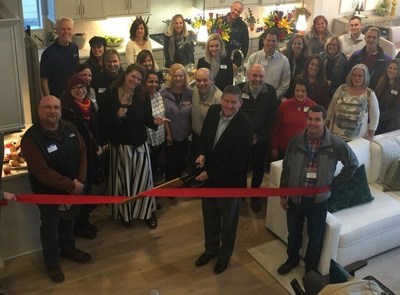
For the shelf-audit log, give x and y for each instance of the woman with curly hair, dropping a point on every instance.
(178, 46)
(388, 93)
(316, 38)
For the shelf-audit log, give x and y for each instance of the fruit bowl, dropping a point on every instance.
(113, 41)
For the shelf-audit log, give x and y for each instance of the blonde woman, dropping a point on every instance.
(178, 47)
(217, 62)
(354, 109)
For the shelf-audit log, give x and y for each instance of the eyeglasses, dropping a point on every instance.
(357, 75)
(50, 108)
(77, 88)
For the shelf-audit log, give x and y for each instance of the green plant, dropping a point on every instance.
(383, 8)
(250, 17)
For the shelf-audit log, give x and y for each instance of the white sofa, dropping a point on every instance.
(362, 231)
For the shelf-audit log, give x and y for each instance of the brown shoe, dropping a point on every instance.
(55, 273)
(78, 256)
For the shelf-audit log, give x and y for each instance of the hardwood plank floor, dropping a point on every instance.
(134, 260)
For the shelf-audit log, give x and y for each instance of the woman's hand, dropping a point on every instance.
(121, 113)
(160, 120)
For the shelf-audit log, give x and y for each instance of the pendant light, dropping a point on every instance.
(301, 24)
(202, 34)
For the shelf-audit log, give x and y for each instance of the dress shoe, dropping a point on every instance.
(78, 256)
(287, 267)
(255, 204)
(204, 259)
(220, 266)
(55, 273)
(152, 221)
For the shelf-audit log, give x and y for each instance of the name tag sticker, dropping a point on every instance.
(394, 92)
(224, 67)
(311, 175)
(51, 148)
(305, 109)
(72, 135)
(101, 90)
(245, 96)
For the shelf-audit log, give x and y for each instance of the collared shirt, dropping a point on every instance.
(200, 106)
(156, 137)
(222, 124)
(312, 147)
(277, 70)
(349, 45)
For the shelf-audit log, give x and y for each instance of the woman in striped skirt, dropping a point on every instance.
(125, 114)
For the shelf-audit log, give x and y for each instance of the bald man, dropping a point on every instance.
(259, 104)
(56, 158)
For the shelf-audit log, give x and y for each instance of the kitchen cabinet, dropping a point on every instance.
(12, 61)
(339, 25)
(277, 2)
(126, 7)
(75, 9)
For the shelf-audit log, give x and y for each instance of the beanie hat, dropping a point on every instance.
(96, 40)
(75, 80)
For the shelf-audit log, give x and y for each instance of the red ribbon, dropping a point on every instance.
(168, 192)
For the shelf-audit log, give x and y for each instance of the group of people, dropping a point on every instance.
(98, 117)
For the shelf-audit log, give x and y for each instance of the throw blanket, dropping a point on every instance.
(390, 152)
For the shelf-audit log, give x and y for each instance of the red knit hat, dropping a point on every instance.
(75, 80)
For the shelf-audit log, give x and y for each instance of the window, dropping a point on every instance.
(32, 13)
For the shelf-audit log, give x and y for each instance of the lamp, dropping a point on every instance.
(202, 34)
(301, 24)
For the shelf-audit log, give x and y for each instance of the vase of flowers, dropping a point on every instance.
(250, 20)
(285, 23)
(215, 25)
(383, 8)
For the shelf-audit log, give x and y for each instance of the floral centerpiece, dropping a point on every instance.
(285, 23)
(215, 25)
(250, 19)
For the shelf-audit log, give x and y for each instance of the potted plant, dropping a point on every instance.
(49, 37)
(250, 19)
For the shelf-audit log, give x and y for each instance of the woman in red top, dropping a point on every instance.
(291, 118)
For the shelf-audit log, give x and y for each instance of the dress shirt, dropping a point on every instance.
(349, 45)
(277, 70)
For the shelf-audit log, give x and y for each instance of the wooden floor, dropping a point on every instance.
(135, 260)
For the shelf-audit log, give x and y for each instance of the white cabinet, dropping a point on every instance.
(75, 9)
(11, 60)
(274, 2)
(126, 7)
(214, 4)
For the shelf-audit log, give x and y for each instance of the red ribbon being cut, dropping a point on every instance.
(171, 192)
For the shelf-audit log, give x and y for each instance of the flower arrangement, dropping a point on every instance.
(284, 23)
(383, 8)
(215, 25)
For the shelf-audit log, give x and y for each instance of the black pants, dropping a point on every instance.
(56, 232)
(176, 154)
(220, 217)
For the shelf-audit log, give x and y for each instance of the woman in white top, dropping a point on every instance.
(139, 35)
(354, 110)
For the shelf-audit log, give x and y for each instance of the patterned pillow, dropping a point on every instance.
(392, 178)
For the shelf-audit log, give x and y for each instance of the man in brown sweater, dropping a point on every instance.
(56, 158)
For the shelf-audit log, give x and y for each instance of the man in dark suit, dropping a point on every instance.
(225, 142)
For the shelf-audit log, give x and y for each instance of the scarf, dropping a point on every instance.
(84, 108)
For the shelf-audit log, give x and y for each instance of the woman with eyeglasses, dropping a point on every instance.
(79, 110)
(126, 114)
(354, 109)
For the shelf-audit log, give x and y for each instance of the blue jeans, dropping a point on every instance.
(316, 219)
(56, 232)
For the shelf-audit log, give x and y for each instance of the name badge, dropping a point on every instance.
(311, 175)
(101, 90)
(305, 109)
(224, 67)
(51, 148)
(245, 96)
(394, 92)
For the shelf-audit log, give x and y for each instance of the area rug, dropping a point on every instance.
(270, 256)
(385, 267)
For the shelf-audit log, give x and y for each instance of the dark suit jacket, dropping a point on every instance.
(225, 73)
(225, 163)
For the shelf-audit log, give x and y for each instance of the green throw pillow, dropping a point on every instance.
(337, 274)
(354, 191)
(392, 178)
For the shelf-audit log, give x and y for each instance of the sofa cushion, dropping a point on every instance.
(337, 273)
(392, 178)
(370, 219)
(354, 191)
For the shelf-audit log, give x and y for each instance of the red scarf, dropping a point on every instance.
(84, 107)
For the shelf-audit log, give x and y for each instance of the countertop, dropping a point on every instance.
(84, 53)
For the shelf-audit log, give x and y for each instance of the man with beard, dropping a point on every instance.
(259, 104)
